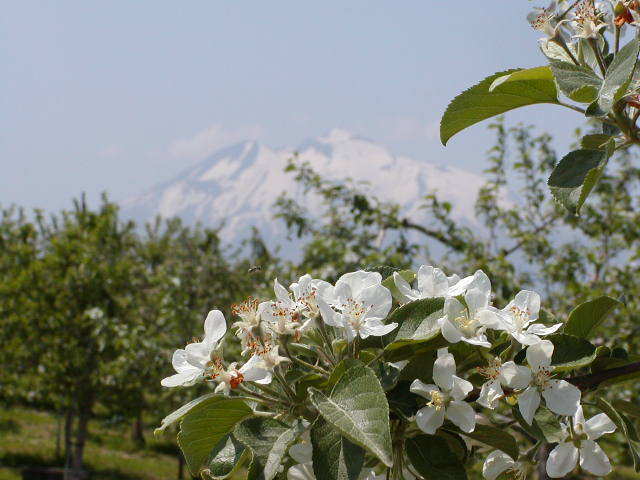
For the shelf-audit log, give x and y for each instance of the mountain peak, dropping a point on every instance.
(239, 184)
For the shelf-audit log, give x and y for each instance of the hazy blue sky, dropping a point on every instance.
(119, 95)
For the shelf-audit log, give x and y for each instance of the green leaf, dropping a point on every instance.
(571, 352)
(358, 408)
(549, 425)
(388, 282)
(619, 75)
(576, 175)
(595, 141)
(495, 95)
(624, 426)
(269, 440)
(495, 437)
(576, 82)
(433, 458)
(334, 457)
(225, 458)
(417, 330)
(181, 412)
(205, 425)
(587, 316)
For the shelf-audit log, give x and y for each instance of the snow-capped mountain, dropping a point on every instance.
(238, 185)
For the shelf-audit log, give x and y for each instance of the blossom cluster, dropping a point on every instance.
(356, 307)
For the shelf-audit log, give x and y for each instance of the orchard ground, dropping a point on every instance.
(28, 439)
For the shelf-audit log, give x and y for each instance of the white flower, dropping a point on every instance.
(544, 20)
(265, 359)
(193, 362)
(358, 303)
(305, 293)
(564, 457)
(432, 282)
(560, 396)
(232, 377)
(250, 313)
(508, 374)
(445, 397)
(517, 317)
(469, 323)
(499, 462)
(588, 21)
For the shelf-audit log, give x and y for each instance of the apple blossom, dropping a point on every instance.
(358, 303)
(468, 323)
(432, 282)
(445, 397)
(581, 446)
(517, 317)
(499, 374)
(193, 362)
(560, 396)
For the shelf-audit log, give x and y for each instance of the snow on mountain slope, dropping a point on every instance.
(238, 185)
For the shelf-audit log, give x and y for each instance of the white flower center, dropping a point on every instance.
(541, 377)
(491, 371)
(438, 399)
(520, 317)
(467, 326)
(354, 312)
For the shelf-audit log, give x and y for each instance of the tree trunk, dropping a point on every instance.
(137, 432)
(68, 438)
(59, 427)
(80, 440)
(180, 466)
(543, 454)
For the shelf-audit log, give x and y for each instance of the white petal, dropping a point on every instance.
(375, 327)
(329, 315)
(450, 333)
(459, 287)
(481, 282)
(562, 460)
(180, 379)
(282, 293)
(490, 394)
(476, 300)
(496, 463)
(404, 288)
(593, 459)
(432, 282)
(358, 281)
(529, 302)
(480, 340)
(198, 354)
(525, 338)
(463, 415)
(179, 361)
(528, 403)
(562, 397)
(378, 300)
(453, 308)
(461, 388)
(215, 326)
(429, 419)
(515, 376)
(542, 330)
(598, 426)
(423, 389)
(539, 355)
(492, 318)
(443, 369)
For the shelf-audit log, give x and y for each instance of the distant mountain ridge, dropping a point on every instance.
(238, 185)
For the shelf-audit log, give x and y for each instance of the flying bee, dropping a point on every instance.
(255, 268)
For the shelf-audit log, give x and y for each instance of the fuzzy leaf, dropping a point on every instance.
(225, 458)
(619, 75)
(571, 352)
(205, 425)
(357, 407)
(334, 457)
(576, 82)
(269, 440)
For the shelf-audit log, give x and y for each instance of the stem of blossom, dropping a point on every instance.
(560, 41)
(356, 347)
(284, 384)
(617, 39)
(376, 358)
(272, 392)
(325, 336)
(596, 52)
(317, 368)
(259, 397)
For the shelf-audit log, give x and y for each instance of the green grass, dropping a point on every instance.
(28, 438)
